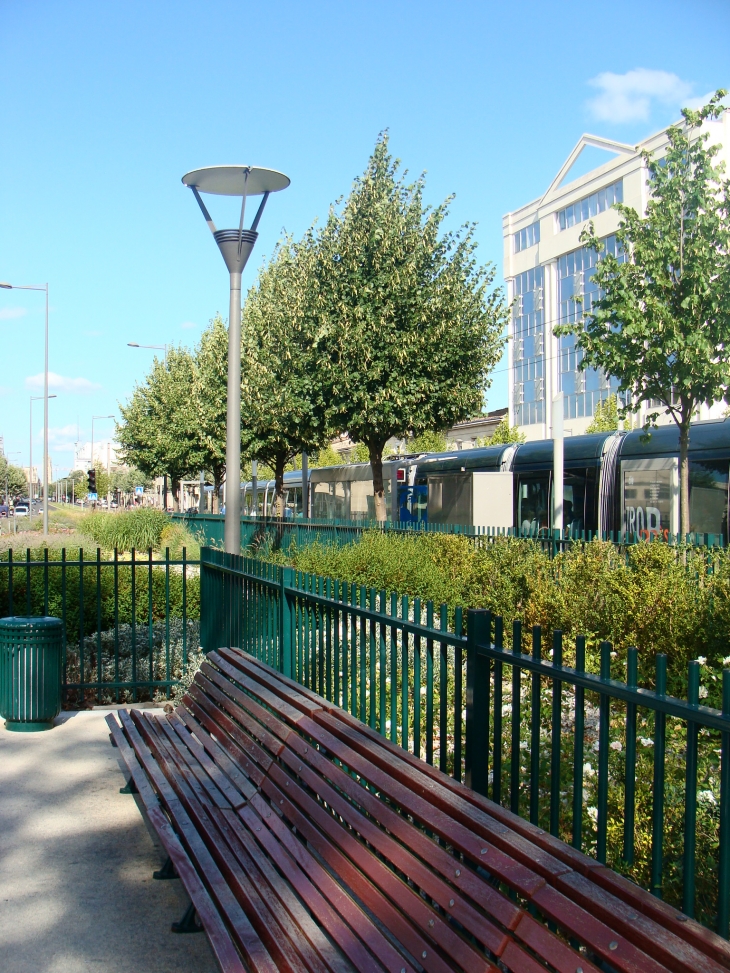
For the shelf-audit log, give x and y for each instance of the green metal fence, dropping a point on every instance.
(637, 778)
(129, 622)
(259, 533)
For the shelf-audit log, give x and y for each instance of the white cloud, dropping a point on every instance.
(10, 313)
(187, 325)
(630, 97)
(61, 383)
(61, 432)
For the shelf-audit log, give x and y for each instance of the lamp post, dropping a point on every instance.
(235, 247)
(37, 398)
(40, 287)
(133, 344)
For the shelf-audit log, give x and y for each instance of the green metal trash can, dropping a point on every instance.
(30, 672)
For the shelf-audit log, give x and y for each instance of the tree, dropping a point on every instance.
(13, 482)
(283, 399)
(504, 434)
(158, 432)
(429, 441)
(662, 326)
(406, 324)
(605, 416)
(210, 395)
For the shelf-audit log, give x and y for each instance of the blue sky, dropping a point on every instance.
(103, 107)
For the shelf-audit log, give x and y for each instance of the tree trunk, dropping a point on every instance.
(684, 475)
(279, 485)
(217, 481)
(175, 495)
(375, 449)
(164, 492)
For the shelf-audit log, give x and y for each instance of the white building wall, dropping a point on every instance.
(626, 165)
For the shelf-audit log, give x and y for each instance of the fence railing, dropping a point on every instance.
(637, 778)
(129, 622)
(261, 532)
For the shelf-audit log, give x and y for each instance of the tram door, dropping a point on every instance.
(650, 497)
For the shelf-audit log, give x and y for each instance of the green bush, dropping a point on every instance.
(140, 529)
(75, 599)
(656, 597)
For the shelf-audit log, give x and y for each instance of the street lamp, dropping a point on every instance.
(235, 247)
(133, 344)
(40, 287)
(37, 398)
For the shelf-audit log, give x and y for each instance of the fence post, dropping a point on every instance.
(476, 755)
(286, 622)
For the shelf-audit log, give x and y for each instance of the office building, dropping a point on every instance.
(549, 277)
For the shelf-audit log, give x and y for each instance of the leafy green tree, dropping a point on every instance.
(605, 416)
(12, 479)
(209, 393)
(284, 403)
(158, 432)
(662, 327)
(406, 324)
(503, 434)
(429, 441)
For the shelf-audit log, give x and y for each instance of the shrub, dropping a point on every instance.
(140, 529)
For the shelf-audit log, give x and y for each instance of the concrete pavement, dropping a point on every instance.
(76, 862)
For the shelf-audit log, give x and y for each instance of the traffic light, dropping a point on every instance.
(92, 481)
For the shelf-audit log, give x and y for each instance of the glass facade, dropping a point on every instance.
(528, 349)
(590, 206)
(577, 294)
(527, 237)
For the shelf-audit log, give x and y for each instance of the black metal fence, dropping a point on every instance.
(130, 623)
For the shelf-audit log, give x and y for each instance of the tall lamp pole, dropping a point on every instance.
(235, 247)
(40, 287)
(37, 398)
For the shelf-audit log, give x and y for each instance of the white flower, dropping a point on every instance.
(423, 690)
(646, 742)
(726, 661)
(707, 797)
(703, 692)
(387, 724)
(588, 771)
(523, 744)
(615, 745)
(593, 814)
(702, 660)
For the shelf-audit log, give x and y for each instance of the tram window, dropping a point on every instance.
(328, 501)
(574, 501)
(708, 486)
(533, 504)
(449, 499)
(647, 501)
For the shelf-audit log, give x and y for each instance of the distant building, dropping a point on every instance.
(105, 455)
(549, 277)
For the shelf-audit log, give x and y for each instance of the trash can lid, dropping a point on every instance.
(31, 621)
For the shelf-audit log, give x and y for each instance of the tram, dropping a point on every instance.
(611, 482)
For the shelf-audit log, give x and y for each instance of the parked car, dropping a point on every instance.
(21, 510)
(4, 510)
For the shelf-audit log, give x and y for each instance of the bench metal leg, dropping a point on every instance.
(129, 788)
(189, 922)
(167, 871)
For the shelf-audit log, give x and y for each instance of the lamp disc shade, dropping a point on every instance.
(231, 180)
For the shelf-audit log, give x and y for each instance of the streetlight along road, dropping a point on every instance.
(37, 398)
(133, 344)
(40, 287)
(235, 247)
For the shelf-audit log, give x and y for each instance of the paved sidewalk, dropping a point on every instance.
(76, 862)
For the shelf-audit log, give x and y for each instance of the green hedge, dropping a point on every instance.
(656, 597)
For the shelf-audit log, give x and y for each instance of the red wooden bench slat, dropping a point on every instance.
(253, 950)
(220, 941)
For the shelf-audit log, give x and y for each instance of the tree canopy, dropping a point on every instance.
(284, 400)
(662, 325)
(406, 323)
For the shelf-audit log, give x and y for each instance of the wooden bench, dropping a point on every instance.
(307, 842)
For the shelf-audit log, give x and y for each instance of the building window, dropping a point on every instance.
(528, 349)
(590, 206)
(527, 237)
(577, 294)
